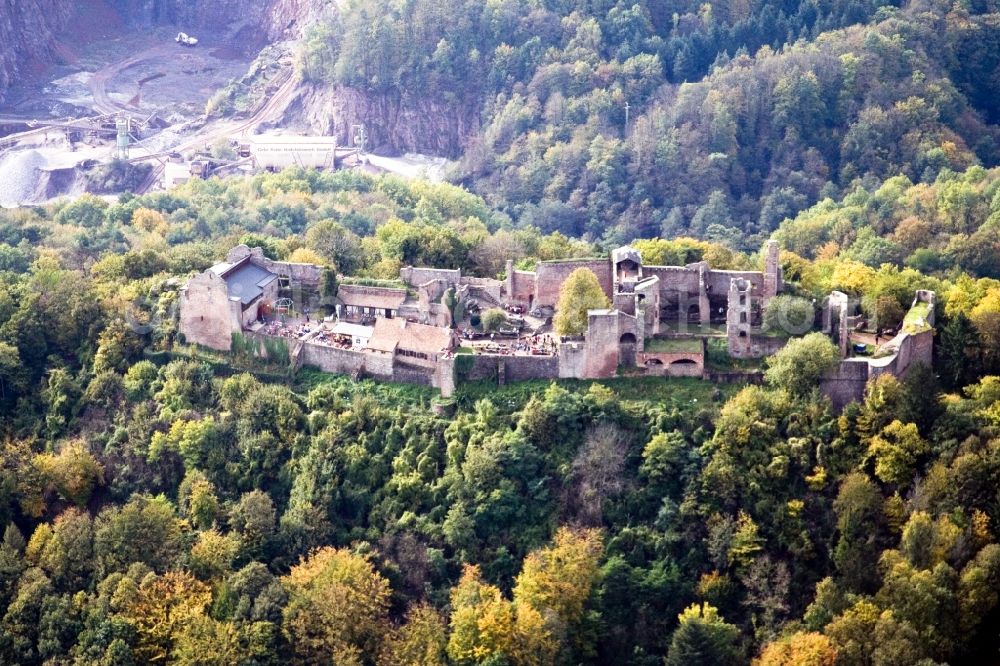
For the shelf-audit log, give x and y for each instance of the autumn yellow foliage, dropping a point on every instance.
(800, 649)
(337, 606)
(163, 607)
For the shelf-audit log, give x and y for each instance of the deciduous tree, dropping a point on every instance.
(337, 604)
(580, 293)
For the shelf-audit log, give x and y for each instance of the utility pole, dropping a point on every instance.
(626, 115)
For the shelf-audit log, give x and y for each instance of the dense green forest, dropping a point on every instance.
(617, 120)
(161, 505)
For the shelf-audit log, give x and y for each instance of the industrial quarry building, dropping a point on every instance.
(657, 323)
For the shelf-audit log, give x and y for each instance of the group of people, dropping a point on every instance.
(535, 345)
(279, 329)
(330, 340)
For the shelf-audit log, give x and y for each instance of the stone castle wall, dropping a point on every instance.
(483, 367)
(206, 313)
(718, 281)
(847, 382)
(550, 275)
(418, 276)
(520, 285)
(672, 364)
(332, 359)
(765, 345)
(675, 278)
(378, 365)
(572, 360)
(406, 374)
(299, 275)
(484, 289)
(523, 368)
(479, 367)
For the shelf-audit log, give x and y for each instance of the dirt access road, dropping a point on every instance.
(98, 83)
(209, 134)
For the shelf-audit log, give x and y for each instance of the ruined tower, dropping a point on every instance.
(738, 318)
(772, 271)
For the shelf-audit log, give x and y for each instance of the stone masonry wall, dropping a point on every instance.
(522, 368)
(299, 275)
(846, 383)
(205, 317)
(675, 278)
(404, 374)
(332, 359)
(572, 360)
(520, 285)
(719, 281)
(378, 365)
(602, 345)
(516, 368)
(479, 367)
(418, 276)
(550, 275)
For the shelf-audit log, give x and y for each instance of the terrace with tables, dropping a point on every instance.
(341, 335)
(527, 345)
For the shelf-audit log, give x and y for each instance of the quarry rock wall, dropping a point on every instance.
(395, 123)
(29, 31)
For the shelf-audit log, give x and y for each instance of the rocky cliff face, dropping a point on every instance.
(287, 19)
(32, 31)
(208, 14)
(393, 123)
(33, 34)
(28, 36)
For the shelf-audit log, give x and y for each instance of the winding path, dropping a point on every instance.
(98, 83)
(273, 106)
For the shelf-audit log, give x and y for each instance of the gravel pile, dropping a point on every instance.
(19, 177)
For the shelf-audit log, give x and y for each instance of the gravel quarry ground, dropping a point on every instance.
(19, 177)
(142, 72)
(415, 165)
(145, 75)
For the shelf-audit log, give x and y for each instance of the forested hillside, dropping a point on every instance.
(162, 505)
(781, 108)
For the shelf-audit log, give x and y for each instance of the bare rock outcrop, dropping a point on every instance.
(394, 123)
(28, 36)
